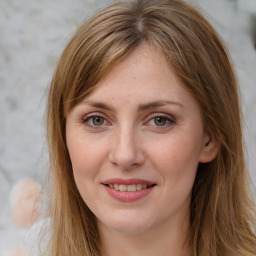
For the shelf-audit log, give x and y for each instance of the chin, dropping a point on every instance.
(125, 225)
(129, 229)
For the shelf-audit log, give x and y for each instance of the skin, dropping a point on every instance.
(128, 141)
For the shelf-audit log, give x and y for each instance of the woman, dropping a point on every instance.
(145, 142)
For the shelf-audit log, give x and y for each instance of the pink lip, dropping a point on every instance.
(127, 181)
(128, 196)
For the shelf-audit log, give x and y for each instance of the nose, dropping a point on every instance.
(126, 150)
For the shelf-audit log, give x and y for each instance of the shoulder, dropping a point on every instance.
(36, 238)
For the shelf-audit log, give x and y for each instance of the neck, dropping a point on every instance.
(166, 240)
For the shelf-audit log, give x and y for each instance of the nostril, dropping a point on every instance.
(126, 157)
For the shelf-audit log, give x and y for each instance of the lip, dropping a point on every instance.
(127, 181)
(128, 196)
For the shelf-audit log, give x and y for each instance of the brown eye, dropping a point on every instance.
(98, 120)
(160, 121)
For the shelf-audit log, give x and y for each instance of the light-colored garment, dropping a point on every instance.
(33, 241)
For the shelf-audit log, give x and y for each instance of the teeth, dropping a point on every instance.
(139, 187)
(123, 188)
(130, 188)
(144, 186)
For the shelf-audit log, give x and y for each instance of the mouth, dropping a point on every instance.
(129, 188)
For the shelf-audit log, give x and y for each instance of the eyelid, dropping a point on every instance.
(159, 114)
(94, 113)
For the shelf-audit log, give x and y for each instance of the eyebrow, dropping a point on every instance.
(99, 105)
(160, 103)
(142, 107)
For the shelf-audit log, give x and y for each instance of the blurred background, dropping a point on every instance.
(33, 34)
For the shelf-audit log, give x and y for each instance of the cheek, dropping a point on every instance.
(176, 152)
(86, 160)
(85, 155)
(176, 160)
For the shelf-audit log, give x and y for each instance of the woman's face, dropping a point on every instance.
(135, 143)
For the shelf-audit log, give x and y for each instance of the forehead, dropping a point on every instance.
(143, 66)
(143, 76)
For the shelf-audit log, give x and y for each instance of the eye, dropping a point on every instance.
(161, 121)
(94, 121)
(97, 120)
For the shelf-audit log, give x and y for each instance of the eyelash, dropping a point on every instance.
(87, 120)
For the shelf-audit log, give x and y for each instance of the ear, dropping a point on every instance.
(209, 149)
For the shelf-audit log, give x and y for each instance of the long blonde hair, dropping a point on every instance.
(222, 210)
